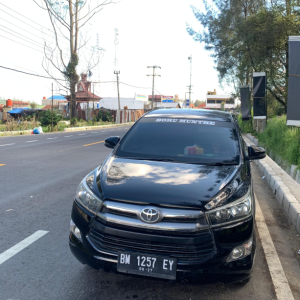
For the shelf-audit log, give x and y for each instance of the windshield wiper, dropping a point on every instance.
(151, 159)
(222, 164)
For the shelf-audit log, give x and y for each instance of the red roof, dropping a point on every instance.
(20, 102)
(49, 106)
(85, 95)
(202, 105)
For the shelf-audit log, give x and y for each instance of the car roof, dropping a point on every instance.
(203, 114)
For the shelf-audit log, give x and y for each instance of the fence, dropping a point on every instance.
(128, 115)
(118, 116)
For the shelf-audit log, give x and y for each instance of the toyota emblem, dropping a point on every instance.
(149, 215)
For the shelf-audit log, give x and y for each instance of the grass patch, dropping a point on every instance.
(282, 140)
(246, 126)
(279, 139)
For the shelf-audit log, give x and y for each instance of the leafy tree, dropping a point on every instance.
(46, 119)
(198, 102)
(249, 36)
(33, 105)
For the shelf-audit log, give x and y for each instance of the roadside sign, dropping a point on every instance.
(167, 99)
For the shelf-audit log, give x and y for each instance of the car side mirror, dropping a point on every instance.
(112, 141)
(256, 152)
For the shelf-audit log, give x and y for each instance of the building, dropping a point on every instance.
(113, 103)
(84, 94)
(214, 101)
(157, 98)
(56, 100)
(17, 104)
(212, 93)
(10, 105)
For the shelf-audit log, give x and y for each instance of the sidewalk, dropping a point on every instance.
(285, 188)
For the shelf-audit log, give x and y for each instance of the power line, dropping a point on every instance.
(21, 67)
(33, 26)
(37, 43)
(138, 87)
(25, 30)
(30, 73)
(27, 19)
(24, 39)
(65, 80)
(21, 44)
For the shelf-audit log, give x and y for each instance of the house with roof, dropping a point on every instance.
(84, 94)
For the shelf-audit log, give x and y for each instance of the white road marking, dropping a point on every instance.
(280, 282)
(7, 145)
(82, 134)
(68, 135)
(52, 138)
(32, 141)
(20, 246)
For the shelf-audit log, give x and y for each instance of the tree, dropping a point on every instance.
(46, 119)
(198, 102)
(33, 105)
(68, 18)
(249, 36)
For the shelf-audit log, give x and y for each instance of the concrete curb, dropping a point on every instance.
(95, 127)
(285, 188)
(20, 132)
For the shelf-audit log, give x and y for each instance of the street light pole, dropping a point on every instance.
(154, 67)
(52, 110)
(117, 73)
(190, 86)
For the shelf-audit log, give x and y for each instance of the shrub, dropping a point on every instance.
(246, 126)
(282, 140)
(73, 121)
(46, 119)
(99, 117)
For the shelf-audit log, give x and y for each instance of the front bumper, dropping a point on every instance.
(212, 269)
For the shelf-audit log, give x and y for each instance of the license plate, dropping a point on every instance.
(147, 265)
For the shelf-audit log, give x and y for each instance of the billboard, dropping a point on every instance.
(259, 95)
(293, 103)
(141, 97)
(245, 102)
(167, 99)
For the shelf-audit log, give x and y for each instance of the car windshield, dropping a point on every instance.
(189, 141)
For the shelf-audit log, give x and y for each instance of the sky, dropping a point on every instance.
(150, 33)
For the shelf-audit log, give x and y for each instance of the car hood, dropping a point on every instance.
(162, 183)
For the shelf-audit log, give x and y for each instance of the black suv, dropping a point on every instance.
(173, 200)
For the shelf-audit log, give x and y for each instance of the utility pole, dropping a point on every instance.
(117, 73)
(52, 109)
(93, 103)
(190, 86)
(154, 67)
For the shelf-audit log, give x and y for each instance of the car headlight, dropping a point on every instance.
(227, 192)
(235, 211)
(86, 197)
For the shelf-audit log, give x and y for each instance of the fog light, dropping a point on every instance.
(241, 251)
(75, 230)
(237, 253)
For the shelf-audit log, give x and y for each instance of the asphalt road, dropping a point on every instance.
(38, 178)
